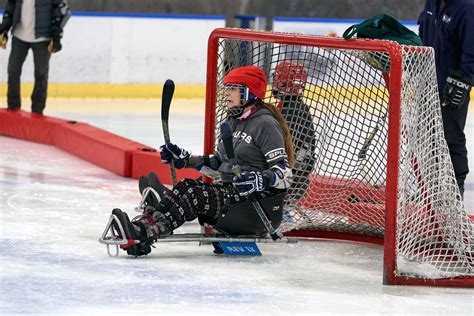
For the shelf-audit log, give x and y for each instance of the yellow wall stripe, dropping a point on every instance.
(127, 91)
(109, 91)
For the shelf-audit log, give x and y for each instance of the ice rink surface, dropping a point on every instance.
(54, 208)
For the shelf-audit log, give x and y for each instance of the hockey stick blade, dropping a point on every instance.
(226, 135)
(168, 91)
(370, 137)
(365, 148)
(226, 130)
(366, 171)
(167, 96)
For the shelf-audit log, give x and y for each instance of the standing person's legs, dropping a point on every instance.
(41, 59)
(454, 121)
(15, 64)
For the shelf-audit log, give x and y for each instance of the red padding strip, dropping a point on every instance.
(95, 145)
(144, 162)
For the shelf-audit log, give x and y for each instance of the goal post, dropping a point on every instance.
(375, 166)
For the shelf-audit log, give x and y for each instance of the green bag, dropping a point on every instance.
(383, 27)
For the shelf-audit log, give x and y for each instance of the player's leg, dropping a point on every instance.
(149, 226)
(144, 228)
(454, 121)
(185, 202)
(41, 58)
(190, 198)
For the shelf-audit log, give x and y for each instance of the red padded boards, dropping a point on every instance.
(112, 152)
(98, 146)
(28, 126)
(144, 162)
(102, 148)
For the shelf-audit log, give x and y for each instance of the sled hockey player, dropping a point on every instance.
(263, 150)
(289, 80)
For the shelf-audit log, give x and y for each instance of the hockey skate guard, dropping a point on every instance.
(111, 237)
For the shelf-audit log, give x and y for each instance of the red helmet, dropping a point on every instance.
(289, 78)
(252, 77)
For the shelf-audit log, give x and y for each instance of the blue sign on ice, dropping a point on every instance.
(237, 248)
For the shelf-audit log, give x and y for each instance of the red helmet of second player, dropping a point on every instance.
(289, 78)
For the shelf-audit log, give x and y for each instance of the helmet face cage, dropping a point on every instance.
(235, 111)
(289, 78)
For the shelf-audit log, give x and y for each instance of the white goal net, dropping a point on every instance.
(371, 158)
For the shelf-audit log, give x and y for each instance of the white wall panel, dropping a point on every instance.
(104, 49)
(136, 49)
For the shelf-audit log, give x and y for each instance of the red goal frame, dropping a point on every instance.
(395, 52)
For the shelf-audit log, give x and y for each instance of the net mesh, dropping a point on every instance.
(339, 125)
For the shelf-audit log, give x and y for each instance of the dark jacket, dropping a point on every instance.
(50, 15)
(448, 26)
(300, 122)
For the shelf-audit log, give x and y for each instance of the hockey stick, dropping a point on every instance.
(168, 90)
(362, 155)
(226, 134)
(224, 238)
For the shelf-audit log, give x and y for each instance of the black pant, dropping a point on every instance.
(15, 64)
(454, 121)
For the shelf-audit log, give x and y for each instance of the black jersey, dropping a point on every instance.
(300, 123)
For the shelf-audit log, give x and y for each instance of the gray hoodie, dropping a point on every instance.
(259, 144)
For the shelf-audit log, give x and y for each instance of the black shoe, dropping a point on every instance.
(151, 199)
(143, 247)
(152, 181)
(142, 184)
(155, 183)
(128, 229)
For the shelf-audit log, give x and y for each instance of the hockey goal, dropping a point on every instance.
(379, 169)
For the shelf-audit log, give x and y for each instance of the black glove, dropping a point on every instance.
(171, 152)
(456, 90)
(56, 31)
(250, 182)
(54, 46)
